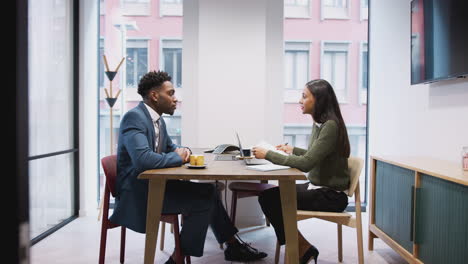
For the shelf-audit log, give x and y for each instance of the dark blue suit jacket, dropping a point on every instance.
(135, 154)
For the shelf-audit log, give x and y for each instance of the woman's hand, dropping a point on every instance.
(286, 148)
(259, 152)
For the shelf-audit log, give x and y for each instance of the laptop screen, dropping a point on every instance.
(240, 146)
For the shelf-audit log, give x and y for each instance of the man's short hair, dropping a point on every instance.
(153, 79)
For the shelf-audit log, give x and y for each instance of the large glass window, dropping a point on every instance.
(335, 68)
(52, 127)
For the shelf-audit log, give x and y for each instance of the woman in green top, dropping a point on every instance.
(325, 161)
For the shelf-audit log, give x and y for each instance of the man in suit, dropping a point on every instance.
(144, 144)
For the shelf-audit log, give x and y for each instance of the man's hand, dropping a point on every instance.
(259, 152)
(183, 153)
(286, 148)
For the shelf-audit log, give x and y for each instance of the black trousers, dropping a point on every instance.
(201, 206)
(322, 199)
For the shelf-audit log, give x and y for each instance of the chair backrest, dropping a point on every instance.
(355, 165)
(109, 164)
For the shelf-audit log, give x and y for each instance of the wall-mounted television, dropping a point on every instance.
(439, 40)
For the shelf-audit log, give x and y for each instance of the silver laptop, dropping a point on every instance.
(252, 161)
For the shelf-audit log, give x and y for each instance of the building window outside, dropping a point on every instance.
(335, 9)
(296, 64)
(296, 8)
(173, 65)
(101, 76)
(171, 62)
(364, 74)
(364, 12)
(334, 68)
(137, 61)
(136, 7)
(171, 7)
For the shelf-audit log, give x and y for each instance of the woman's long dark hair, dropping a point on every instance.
(327, 108)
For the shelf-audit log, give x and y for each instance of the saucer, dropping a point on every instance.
(195, 166)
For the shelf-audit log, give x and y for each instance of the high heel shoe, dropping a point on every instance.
(311, 253)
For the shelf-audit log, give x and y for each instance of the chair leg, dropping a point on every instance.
(357, 201)
(104, 225)
(233, 207)
(340, 243)
(102, 247)
(178, 250)
(163, 231)
(277, 252)
(122, 244)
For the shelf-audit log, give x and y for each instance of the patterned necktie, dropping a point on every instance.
(156, 130)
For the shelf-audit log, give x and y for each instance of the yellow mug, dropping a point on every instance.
(200, 160)
(193, 160)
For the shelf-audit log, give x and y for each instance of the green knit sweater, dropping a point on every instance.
(321, 160)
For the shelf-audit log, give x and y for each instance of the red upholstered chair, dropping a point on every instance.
(246, 189)
(109, 164)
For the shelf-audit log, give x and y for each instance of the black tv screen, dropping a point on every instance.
(439, 40)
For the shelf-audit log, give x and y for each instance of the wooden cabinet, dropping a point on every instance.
(419, 207)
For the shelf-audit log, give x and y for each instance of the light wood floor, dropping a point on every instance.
(78, 242)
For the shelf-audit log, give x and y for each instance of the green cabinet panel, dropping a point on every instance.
(442, 221)
(393, 202)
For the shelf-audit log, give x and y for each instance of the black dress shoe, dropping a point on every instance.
(311, 253)
(242, 252)
(170, 261)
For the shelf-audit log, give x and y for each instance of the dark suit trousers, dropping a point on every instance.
(201, 206)
(322, 199)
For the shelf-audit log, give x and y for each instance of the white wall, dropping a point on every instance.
(88, 106)
(406, 120)
(232, 64)
(233, 77)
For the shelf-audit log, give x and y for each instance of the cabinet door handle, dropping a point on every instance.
(412, 214)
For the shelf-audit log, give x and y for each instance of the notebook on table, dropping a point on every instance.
(268, 167)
